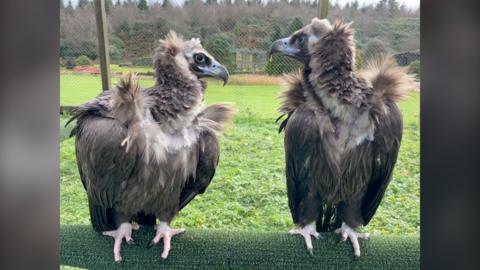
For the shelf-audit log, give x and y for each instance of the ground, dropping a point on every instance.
(248, 191)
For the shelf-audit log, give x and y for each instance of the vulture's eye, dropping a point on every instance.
(301, 39)
(199, 58)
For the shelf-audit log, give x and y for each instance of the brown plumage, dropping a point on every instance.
(390, 81)
(342, 130)
(145, 154)
(293, 94)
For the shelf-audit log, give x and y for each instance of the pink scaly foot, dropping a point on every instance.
(307, 232)
(347, 232)
(123, 231)
(165, 232)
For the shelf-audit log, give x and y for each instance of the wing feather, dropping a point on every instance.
(305, 164)
(208, 156)
(386, 144)
(103, 165)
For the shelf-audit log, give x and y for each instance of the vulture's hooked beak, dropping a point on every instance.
(283, 46)
(215, 70)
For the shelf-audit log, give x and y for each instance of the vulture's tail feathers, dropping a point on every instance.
(129, 106)
(98, 107)
(216, 117)
(76, 114)
(389, 80)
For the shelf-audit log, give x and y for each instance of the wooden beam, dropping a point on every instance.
(322, 9)
(101, 19)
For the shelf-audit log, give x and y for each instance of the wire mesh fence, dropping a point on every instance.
(238, 34)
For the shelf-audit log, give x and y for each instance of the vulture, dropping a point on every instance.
(342, 131)
(144, 154)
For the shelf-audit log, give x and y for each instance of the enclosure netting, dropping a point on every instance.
(237, 33)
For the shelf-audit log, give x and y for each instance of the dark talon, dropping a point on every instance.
(151, 244)
(310, 251)
(131, 242)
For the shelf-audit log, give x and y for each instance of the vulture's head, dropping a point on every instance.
(189, 57)
(318, 39)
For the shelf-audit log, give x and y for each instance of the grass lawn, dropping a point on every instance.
(126, 69)
(256, 99)
(77, 89)
(248, 191)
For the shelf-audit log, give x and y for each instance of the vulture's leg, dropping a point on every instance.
(123, 231)
(164, 231)
(347, 232)
(307, 232)
(351, 215)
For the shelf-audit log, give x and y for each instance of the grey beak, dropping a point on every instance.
(222, 74)
(217, 71)
(283, 46)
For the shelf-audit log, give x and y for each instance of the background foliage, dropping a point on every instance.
(245, 29)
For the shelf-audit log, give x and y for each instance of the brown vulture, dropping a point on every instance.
(342, 131)
(145, 154)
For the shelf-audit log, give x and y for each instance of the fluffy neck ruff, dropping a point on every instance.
(331, 72)
(178, 93)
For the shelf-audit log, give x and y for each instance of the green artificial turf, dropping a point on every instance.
(222, 249)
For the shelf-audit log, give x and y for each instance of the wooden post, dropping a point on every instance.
(101, 19)
(322, 9)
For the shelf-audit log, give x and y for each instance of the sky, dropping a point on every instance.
(408, 3)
